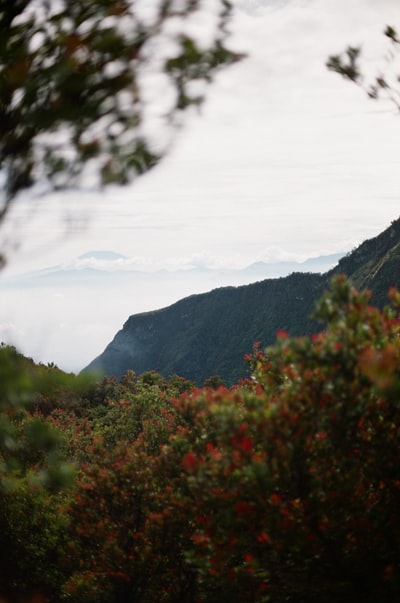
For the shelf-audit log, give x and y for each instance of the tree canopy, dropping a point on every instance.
(79, 82)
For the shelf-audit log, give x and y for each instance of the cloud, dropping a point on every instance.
(136, 263)
(10, 333)
(281, 148)
(202, 260)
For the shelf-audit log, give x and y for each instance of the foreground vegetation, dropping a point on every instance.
(284, 487)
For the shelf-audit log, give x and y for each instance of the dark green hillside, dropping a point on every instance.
(209, 334)
(375, 264)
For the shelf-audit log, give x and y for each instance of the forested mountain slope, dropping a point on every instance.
(375, 264)
(209, 334)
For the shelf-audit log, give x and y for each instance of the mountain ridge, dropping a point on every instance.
(209, 333)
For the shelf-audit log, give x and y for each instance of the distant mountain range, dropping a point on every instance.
(209, 334)
(97, 267)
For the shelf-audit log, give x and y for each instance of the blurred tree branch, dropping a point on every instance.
(73, 96)
(385, 84)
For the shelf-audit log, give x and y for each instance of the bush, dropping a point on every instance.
(295, 487)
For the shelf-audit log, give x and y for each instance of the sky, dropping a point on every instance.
(285, 161)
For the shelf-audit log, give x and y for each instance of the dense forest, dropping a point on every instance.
(284, 487)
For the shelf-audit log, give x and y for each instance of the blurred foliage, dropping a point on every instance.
(385, 84)
(28, 443)
(76, 80)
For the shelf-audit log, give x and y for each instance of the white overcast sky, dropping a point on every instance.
(286, 160)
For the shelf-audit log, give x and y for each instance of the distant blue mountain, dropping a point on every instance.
(102, 255)
(99, 275)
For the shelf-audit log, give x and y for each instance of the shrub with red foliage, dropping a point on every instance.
(283, 489)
